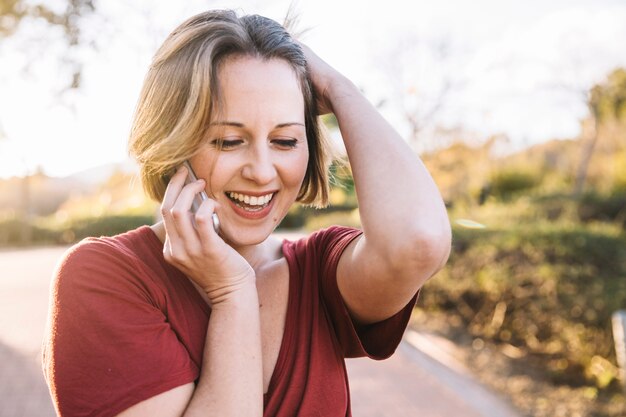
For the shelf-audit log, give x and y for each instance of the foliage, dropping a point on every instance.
(546, 289)
(608, 99)
(121, 194)
(506, 184)
(330, 121)
(12, 12)
(597, 207)
(348, 218)
(67, 17)
(80, 228)
(117, 205)
(15, 231)
(18, 232)
(451, 166)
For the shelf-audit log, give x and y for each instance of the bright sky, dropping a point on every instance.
(518, 68)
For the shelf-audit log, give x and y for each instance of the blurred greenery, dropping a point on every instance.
(608, 99)
(17, 232)
(65, 14)
(507, 183)
(546, 288)
(538, 267)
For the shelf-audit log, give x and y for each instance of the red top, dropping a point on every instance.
(125, 325)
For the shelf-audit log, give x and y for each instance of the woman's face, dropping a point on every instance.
(256, 175)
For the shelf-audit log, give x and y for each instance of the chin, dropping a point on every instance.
(249, 236)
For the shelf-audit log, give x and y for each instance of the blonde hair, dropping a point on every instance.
(181, 93)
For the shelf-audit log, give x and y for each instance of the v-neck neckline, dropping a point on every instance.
(285, 345)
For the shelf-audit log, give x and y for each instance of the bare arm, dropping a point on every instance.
(227, 384)
(406, 229)
(231, 379)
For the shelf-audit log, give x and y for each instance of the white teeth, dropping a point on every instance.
(251, 200)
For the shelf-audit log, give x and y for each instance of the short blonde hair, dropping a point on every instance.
(181, 92)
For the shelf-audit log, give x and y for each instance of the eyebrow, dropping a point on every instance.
(241, 125)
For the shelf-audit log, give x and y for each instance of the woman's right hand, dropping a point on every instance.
(198, 250)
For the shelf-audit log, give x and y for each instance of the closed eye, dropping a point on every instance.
(285, 143)
(226, 143)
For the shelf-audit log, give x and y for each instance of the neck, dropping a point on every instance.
(260, 254)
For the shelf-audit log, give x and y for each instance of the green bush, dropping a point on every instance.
(549, 291)
(301, 217)
(610, 207)
(322, 220)
(295, 218)
(556, 206)
(77, 229)
(506, 184)
(18, 232)
(548, 208)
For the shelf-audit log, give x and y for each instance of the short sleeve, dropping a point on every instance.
(108, 344)
(377, 340)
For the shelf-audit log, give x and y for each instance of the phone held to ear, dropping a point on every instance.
(200, 197)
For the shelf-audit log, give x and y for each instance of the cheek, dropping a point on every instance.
(298, 168)
(215, 169)
(204, 163)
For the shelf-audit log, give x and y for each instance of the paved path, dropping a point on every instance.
(410, 383)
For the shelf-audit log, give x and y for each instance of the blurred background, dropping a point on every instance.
(517, 108)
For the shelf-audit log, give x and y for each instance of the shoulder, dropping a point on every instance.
(325, 239)
(125, 247)
(334, 233)
(321, 249)
(105, 260)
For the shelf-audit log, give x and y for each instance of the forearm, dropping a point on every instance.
(231, 379)
(399, 203)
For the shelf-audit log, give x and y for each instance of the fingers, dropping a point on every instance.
(183, 241)
(322, 75)
(171, 194)
(205, 226)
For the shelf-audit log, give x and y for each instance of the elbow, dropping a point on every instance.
(424, 252)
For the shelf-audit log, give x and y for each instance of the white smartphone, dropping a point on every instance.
(200, 197)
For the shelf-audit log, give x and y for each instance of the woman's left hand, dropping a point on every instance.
(406, 231)
(325, 80)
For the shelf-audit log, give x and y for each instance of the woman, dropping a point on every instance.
(176, 319)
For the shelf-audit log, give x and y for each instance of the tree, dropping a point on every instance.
(14, 12)
(421, 76)
(606, 103)
(608, 99)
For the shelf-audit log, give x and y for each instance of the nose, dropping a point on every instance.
(259, 166)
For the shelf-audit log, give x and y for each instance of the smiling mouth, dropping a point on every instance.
(250, 203)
